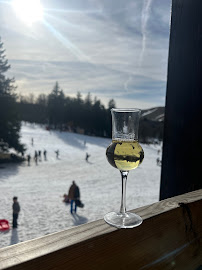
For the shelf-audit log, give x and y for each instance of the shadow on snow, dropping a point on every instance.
(81, 141)
(78, 220)
(7, 170)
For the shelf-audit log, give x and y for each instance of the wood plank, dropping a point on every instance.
(182, 144)
(169, 238)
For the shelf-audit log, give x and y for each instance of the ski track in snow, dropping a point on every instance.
(40, 188)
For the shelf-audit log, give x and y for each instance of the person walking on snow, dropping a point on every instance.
(45, 153)
(36, 157)
(16, 210)
(57, 154)
(73, 195)
(28, 159)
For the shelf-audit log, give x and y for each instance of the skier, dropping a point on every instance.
(87, 156)
(57, 154)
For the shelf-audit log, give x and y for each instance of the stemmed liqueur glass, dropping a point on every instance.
(125, 154)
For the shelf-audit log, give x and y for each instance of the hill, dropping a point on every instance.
(151, 125)
(155, 114)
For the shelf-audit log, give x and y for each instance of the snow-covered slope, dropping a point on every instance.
(40, 188)
(154, 114)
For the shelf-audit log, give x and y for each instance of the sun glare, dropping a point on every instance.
(29, 11)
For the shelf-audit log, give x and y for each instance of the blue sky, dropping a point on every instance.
(111, 48)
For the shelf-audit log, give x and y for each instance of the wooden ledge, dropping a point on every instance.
(169, 238)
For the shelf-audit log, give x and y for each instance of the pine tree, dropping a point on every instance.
(111, 104)
(9, 123)
(56, 106)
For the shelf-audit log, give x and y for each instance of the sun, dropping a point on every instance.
(29, 11)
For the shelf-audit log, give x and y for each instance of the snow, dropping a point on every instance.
(40, 188)
(149, 112)
(160, 117)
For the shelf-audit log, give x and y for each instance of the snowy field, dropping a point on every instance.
(40, 188)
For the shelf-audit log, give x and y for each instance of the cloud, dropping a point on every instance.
(102, 81)
(144, 20)
(92, 45)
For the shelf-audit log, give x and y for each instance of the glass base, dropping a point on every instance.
(127, 220)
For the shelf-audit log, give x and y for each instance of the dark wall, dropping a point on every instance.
(182, 149)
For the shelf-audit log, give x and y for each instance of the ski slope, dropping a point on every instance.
(40, 188)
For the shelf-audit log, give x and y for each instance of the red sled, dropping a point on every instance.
(4, 225)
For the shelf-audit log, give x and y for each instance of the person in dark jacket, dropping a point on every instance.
(73, 195)
(16, 210)
(28, 159)
(87, 156)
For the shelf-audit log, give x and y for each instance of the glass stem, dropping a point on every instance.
(124, 175)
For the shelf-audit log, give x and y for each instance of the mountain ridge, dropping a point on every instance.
(154, 114)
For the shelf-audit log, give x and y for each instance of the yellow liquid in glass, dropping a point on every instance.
(125, 155)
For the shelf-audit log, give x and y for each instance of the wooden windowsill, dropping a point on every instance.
(170, 234)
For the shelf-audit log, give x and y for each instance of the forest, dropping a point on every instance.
(81, 115)
(58, 111)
